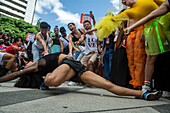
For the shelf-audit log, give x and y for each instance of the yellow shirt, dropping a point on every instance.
(139, 10)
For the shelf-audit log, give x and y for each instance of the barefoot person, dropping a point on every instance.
(60, 67)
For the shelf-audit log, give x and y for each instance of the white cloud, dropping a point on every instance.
(64, 17)
(115, 6)
(36, 18)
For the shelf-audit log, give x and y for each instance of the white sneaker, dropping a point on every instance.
(146, 88)
(166, 94)
(71, 83)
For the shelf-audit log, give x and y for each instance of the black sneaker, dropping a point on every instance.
(148, 95)
(43, 86)
(3, 72)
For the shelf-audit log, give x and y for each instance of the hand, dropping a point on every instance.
(77, 43)
(70, 54)
(88, 32)
(23, 49)
(100, 51)
(127, 31)
(91, 15)
(124, 44)
(45, 53)
(19, 56)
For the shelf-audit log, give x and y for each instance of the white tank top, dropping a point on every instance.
(90, 43)
(38, 43)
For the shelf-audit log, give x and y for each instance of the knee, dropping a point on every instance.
(90, 62)
(48, 80)
(13, 56)
(51, 80)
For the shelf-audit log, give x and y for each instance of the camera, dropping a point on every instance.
(22, 56)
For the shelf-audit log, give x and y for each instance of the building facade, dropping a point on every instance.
(19, 9)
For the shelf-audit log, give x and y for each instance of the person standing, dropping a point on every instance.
(91, 51)
(107, 59)
(65, 40)
(157, 38)
(39, 47)
(57, 44)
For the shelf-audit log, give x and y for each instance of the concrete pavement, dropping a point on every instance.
(73, 99)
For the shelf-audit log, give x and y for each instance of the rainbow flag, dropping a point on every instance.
(74, 46)
(1, 48)
(30, 37)
(120, 38)
(81, 48)
(85, 17)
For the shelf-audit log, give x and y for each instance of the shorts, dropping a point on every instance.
(89, 57)
(1, 55)
(74, 64)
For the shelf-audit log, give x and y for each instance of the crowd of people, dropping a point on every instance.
(83, 57)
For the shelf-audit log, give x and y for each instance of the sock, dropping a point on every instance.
(145, 94)
(147, 83)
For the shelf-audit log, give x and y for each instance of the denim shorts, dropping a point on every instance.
(37, 53)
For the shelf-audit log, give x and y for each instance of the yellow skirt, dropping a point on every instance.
(157, 35)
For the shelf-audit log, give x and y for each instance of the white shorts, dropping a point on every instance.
(1, 55)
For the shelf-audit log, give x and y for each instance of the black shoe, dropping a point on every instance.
(152, 95)
(43, 86)
(3, 72)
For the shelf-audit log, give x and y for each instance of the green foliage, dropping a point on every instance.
(17, 27)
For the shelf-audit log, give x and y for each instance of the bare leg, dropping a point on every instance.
(11, 76)
(59, 75)
(97, 81)
(64, 72)
(149, 68)
(11, 58)
(90, 65)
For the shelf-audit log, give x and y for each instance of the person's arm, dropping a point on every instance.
(18, 48)
(61, 46)
(92, 16)
(25, 62)
(43, 44)
(70, 46)
(89, 31)
(82, 30)
(100, 49)
(81, 39)
(159, 2)
(19, 62)
(163, 9)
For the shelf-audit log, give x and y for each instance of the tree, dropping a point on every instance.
(37, 26)
(17, 27)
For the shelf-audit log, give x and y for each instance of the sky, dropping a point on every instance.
(62, 12)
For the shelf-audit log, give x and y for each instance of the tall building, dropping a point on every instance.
(19, 9)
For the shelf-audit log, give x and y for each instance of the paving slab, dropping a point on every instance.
(73, 99)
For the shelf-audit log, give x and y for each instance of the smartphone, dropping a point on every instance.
(90, 12)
